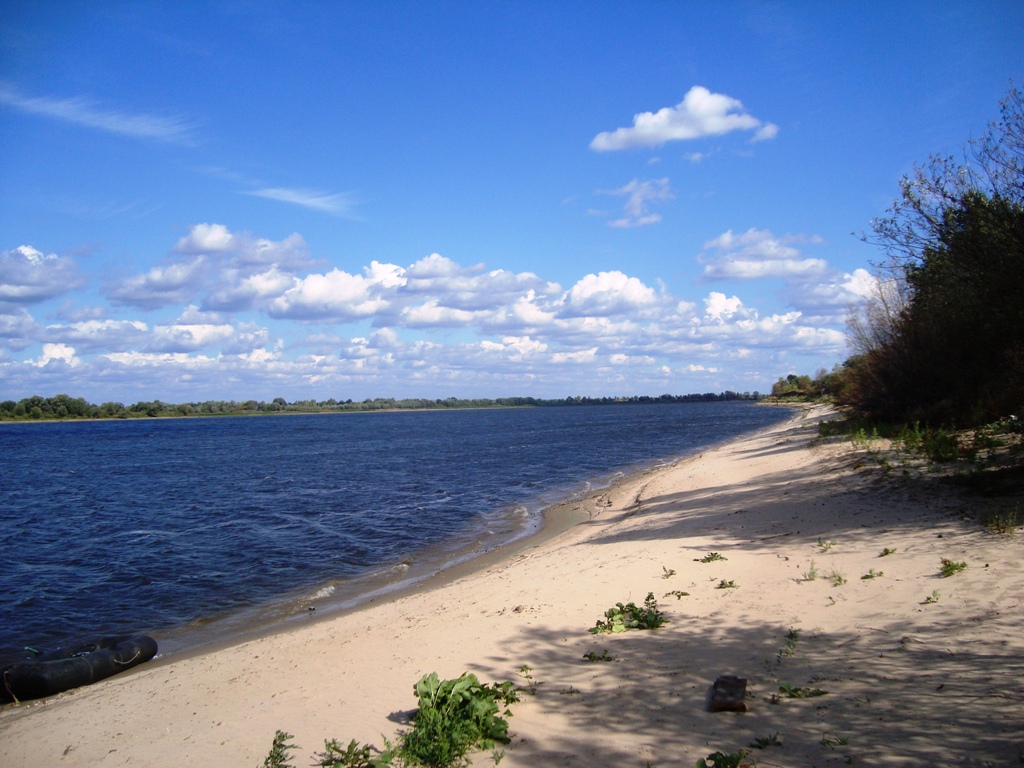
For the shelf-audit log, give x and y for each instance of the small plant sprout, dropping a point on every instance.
(678, 594)
(949, 567)
(710, 557)
(667, 573)
(792, 692)
(873, 574)
(835, 740)
(767, 741)
(594, 656)
(811, 573)
(789, 649)
(739, 759)
(355, 755)
(526, 672)
(278, 755)
(826, 545)
(886, 552)
(730, 584)
(570, 691)
(836, 577)
(932, 598)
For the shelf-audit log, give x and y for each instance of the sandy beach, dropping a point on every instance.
(919, 670)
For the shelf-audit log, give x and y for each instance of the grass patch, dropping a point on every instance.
(873, 574)
(950, 567)
(811, 574)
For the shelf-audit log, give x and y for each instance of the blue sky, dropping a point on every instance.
(234, 200)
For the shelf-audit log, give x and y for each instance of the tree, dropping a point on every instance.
(942, 338)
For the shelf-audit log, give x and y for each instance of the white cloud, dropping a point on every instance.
(720, 308)
(757, 254)
(176, 283)
(700, 113)
(607, 293)
(336, 295)
(639, 195)
(60, 353)
(82, 111)
(28, 276)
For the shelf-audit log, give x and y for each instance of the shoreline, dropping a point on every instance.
(287, 614)
(909, 683)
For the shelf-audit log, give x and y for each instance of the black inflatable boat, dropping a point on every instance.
(66, 668)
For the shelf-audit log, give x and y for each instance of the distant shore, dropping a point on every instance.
(816, 601)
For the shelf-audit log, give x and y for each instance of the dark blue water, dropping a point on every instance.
(164, 525)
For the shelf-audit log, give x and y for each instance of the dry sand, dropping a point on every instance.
(909, 683)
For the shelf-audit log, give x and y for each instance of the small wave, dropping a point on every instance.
(325, 592)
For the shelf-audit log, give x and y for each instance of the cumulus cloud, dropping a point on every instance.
(607, 293)
(337, 295)
(176, 283)
(701, 113)
(82, 111)
(639, 196)
(758, 253)
(243, 251)
(28, 276)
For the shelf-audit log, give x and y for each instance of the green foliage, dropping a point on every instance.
(453, 718)
(886, 552)
(730, 584)
(792, 692)
(933, 597)
(278, 755)
(767, 741)
(949, 567)
(835, 740)
(526, 672)
(593, 656)
(826, 545)
(789, 649)
(837, 578)
(710, 557)
(1002, 520)
(623, 617)
(741, 759)
(811, 574)
(354, 755)
(678, 594)
(667, 573)
(942, 338)
(872, 574)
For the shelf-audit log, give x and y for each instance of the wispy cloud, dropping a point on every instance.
(700, 113)
(639, 195)
(334, 203)
(82, 111)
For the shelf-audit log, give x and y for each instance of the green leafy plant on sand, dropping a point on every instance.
(826, 545)
(741, 759)
(278, 755)
(932, 598)
(667, 573)
(886, 552)
(678, 594)
(629, 616)
(950, 567)
(872, 574)
(594, 656)
(836, 577)
(811, 573)
(767, 741)
(354, 755)
(792, 692)
(789, 649)
(526, 672)
(835, 740)
(730, 584)
(710, 557)
(454, 718)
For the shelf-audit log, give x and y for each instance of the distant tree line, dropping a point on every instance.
(67, 407)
